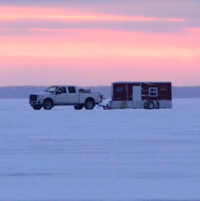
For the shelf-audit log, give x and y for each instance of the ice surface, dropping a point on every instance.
(65, 154)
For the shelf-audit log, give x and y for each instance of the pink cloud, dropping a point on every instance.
(19, 13)
(107, 44)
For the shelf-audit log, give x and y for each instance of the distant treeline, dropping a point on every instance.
(25, 91)
(186, 92)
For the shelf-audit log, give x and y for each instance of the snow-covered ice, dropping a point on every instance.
(65, 154)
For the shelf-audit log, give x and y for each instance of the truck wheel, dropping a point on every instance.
(37, 107)
(150, 105)
(48, 104)
(78, 107)
(89, 104)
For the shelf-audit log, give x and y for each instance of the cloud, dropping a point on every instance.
(163, 16)
(28, 13)
(107, 44)
(17, 20)
(153, 8)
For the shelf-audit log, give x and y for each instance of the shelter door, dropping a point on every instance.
(137, 92)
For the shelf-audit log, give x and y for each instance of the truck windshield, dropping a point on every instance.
(51, 89)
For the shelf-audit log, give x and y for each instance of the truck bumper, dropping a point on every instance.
(35, 103)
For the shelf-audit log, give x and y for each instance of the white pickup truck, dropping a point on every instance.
(65, 95)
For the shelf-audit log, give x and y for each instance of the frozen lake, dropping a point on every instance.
(98, 155)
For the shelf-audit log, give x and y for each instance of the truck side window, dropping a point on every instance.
(72, 90)
(62, 90)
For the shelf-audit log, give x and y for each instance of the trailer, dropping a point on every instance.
(147, 95)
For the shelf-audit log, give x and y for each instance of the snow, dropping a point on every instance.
(129, 154)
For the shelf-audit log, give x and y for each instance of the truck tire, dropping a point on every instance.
(78, 107)
(48, 104)
(89, 104)
(150, 105)
(37, 107)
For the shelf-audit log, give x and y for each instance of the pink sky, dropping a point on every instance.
(54, 44)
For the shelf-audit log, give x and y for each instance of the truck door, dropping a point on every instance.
(72, 95)
(61, 97)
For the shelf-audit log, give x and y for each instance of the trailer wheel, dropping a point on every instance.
(48, 104)
(89, 104)
(157, 105)
(78, 107)
(145, 105)
(150, 105)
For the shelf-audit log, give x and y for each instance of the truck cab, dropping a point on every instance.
(64, 95)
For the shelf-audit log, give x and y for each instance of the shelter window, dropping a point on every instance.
(153, 92)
